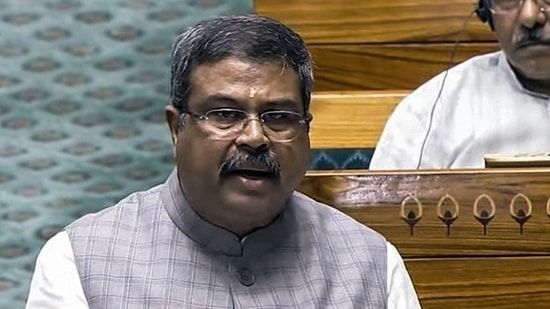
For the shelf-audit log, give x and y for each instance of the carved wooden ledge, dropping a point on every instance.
(457, 212)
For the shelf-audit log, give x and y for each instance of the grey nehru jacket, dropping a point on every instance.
(151, 250)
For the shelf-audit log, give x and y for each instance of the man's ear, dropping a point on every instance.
(173, 120)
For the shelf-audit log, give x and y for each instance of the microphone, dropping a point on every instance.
(440, 91)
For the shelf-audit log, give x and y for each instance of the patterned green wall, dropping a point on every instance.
(82, 88)
(83, 84)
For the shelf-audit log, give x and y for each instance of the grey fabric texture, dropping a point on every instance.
(152, 251)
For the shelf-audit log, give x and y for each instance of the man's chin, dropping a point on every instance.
(539, 75)
(533, 70)
(252, 206)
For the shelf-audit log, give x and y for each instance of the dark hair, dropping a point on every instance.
(248, 37)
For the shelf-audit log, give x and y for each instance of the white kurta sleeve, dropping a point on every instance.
(55, 283)
(401, 292)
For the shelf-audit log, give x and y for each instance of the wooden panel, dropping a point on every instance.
(352, 21)
(394, 66)
(385, 201)
(505, 283)
(350, 119)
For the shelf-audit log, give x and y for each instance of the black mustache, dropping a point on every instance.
(265, 161)
(532, 37)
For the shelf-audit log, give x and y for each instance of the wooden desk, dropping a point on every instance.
(470, 238)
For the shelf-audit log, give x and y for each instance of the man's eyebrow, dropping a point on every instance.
(217, 99)
(283, 103)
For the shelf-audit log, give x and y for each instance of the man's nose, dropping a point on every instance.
(253, 134)
(532, 14)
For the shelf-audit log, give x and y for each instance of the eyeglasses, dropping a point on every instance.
(228, 123)
(507, 6)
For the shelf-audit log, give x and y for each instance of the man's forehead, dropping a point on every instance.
(244, 80)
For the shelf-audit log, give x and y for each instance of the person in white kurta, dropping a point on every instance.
(483, 109)
(496, 103)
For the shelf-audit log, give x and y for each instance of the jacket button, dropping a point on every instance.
(246, 277)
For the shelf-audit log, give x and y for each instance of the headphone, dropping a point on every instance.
(483, 11)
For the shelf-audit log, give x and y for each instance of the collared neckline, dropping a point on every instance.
(505, 66)
(218, 239)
